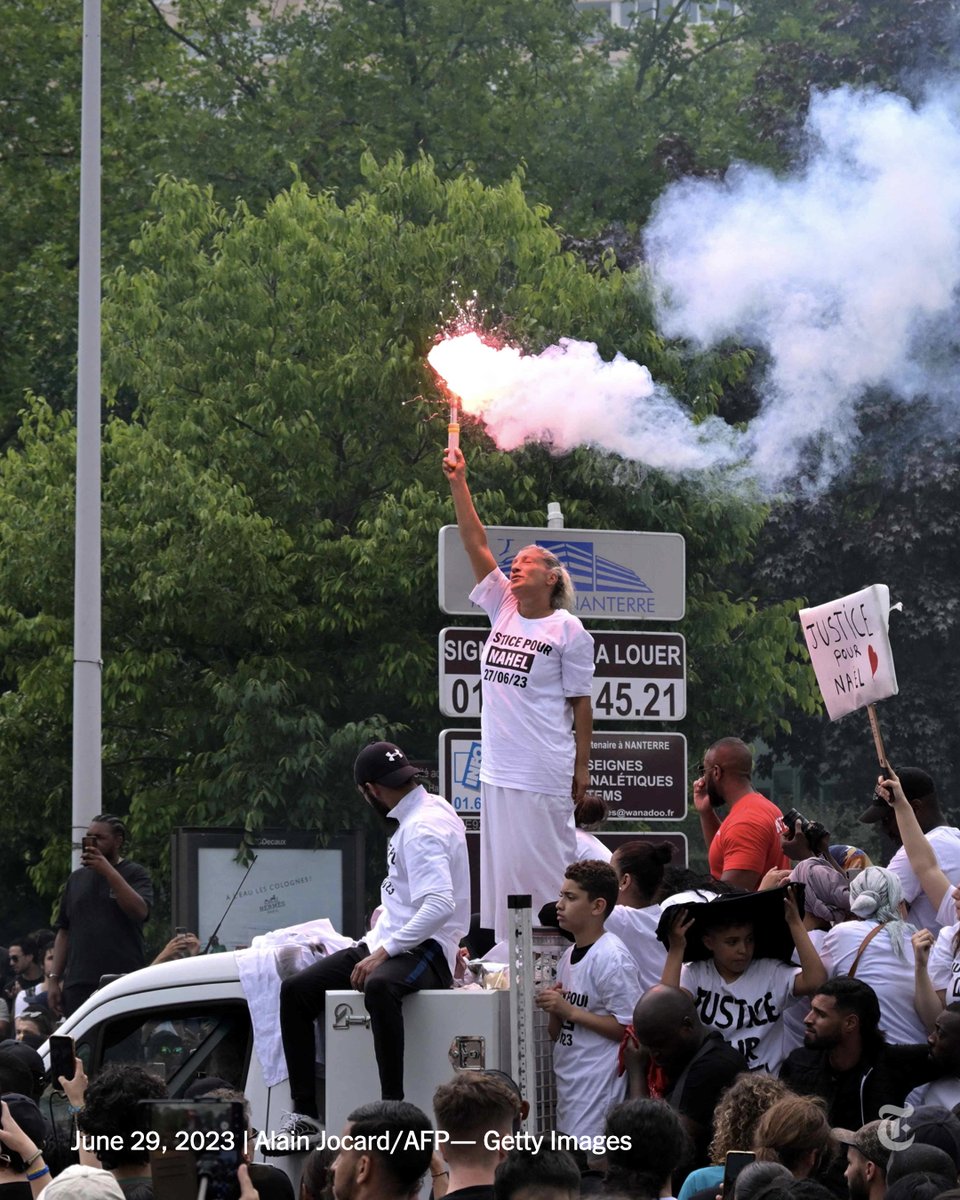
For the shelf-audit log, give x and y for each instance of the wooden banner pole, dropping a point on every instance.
(877, 737)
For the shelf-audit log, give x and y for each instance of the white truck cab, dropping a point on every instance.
(189, 1018)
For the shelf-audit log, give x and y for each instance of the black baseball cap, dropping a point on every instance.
(27, 1115)
(916, 784)
(932, 1125)
(21, 1069)
(383, 763)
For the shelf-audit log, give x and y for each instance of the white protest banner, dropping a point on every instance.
(849, 645)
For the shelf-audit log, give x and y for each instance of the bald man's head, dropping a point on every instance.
(733, 755)
(666, 1023)
(727, 767)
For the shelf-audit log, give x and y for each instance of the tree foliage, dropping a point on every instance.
(272, 500)
(241, 97)
(271, 490)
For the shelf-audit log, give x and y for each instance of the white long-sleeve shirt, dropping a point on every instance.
(426, 893)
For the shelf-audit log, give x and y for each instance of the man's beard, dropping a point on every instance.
(378, 806)
(858, 1188)
(347, 1189)
(714, 795)
(827, 1042)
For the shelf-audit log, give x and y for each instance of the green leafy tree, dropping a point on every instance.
(272, 500)
(241, 96)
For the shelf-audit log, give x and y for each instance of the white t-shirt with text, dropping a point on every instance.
(427, 856)
(749, 1011)
(943, 966)
(530, 670)
(945, 840)
(603, 981)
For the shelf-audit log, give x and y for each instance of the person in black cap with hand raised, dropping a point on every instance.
(921, 794)
(425, 911)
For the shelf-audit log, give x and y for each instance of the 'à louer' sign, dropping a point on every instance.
(849, 645)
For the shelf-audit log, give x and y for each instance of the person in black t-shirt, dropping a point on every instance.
(681, 1062)
(102, 914)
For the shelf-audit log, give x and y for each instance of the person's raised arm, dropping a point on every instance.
(812, 974)
(12, 1136)
(472, 533)
(673, 963)
(128, 898)
(926, 1000)
(916, 845)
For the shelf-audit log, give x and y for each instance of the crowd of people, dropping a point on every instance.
(803, 1015)
(788, 1006)
(786, 1025)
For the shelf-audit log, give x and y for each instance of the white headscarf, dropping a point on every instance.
(876, 895)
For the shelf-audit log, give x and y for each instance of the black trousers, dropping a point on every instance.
(302, 999)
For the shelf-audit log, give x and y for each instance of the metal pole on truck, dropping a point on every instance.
(87, 664)
(521, 1000)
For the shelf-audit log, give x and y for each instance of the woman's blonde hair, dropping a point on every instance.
(563, 592)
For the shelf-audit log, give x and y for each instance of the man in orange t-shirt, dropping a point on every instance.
(746, 844)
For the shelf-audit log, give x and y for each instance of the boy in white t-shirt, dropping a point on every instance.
(591, 1004)
(740, 996)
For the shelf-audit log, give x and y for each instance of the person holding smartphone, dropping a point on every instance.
(100, 925)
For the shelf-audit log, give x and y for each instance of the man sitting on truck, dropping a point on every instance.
(425, 911)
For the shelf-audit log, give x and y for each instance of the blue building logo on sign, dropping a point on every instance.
(589, 571)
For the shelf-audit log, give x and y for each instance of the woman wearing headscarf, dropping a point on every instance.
(826, 902)
(876, 948)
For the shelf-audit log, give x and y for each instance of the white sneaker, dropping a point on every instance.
(296, 1134)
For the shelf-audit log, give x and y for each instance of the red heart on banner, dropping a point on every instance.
(874, 661)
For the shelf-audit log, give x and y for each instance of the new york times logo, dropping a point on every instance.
(890, 1132)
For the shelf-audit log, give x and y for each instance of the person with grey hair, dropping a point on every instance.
(536, 680)
(876, 948)
(826, 902)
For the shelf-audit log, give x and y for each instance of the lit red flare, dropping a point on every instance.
(472, 371)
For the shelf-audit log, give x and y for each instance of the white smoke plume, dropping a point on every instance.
(568, 396)
(845, 271)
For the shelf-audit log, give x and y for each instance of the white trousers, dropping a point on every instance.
(527, 841)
